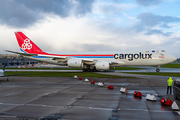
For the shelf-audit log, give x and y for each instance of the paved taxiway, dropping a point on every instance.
(137, 75)
(152, 69)
(72, 99)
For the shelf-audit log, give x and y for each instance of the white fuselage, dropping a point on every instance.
(139, 58)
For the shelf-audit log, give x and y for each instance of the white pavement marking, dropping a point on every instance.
(11, 104)
(40, 105)
(143, 110)
(8, 116)
(100, 108)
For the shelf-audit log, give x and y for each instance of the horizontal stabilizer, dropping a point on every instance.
(25, 54)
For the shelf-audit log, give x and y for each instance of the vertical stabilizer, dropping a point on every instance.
(26, 45)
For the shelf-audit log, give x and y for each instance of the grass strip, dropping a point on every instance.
(116, 68)
(126, 68)
(155, 73)
(64, 74)
(170, 66)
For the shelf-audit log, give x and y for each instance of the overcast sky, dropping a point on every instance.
(92, 25)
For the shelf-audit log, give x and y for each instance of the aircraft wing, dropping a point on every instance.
(65, 58)
(54, 57)
(28, 54)
(116, 62)
(25, 54)
(93, 61)
(86, 61)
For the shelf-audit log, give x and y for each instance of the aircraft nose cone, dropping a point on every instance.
(173, 58)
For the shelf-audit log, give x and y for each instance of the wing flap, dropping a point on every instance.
(88, 60)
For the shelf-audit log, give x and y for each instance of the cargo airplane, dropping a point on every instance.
(93, 61)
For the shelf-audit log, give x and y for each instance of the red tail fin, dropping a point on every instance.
(26, 45)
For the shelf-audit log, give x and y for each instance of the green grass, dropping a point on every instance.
(45, 68)
(155, 73)
(116, 68)
(126, 68)
(64, 74)
(171, 65)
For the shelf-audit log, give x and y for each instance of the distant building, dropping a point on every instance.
(12, 60)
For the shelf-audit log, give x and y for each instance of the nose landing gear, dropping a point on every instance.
(157, 70)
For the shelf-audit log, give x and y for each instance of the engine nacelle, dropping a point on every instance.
(75, 63)
(102, 65)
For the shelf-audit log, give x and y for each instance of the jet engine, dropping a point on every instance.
(75, 63)
(102, 65)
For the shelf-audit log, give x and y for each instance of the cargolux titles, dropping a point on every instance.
(133, 56)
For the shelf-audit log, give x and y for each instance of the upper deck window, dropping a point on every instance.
(163, 51)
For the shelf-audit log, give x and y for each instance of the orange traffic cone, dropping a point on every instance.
(126, 90)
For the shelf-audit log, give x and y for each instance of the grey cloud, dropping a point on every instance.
(152, 31)
(148, 20)
(58, 7)
(149, 2)
(84, 7)
(98, 47)
(24, 13)
(111, 9)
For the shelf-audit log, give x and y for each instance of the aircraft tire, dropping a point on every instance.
(157, 70)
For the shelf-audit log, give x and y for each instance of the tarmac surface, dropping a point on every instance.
(66, 98)
(152, 69)
(144, 69)
(137, 75)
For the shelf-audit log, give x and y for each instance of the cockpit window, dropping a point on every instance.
(163, 51)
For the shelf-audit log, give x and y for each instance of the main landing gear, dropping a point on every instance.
(157, 70)
(89, 69)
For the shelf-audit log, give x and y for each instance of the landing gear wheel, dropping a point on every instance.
(157, 70)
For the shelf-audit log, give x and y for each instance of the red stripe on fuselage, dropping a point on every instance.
(73, 55)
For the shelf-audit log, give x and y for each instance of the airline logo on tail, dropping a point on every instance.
(26, 44)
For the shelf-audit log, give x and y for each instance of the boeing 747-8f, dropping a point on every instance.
(93, 61)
